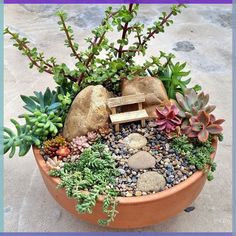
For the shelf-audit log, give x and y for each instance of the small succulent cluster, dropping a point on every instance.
(105, 130)
(92, 137)
(167, 118)
(57, 146)
(189, 115)
(190, 103)
(201, 126)
(44, 124)
(54, 163)
(78, 144)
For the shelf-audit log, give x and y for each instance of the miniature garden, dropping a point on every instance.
(111, 126)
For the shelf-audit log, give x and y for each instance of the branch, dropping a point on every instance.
(69, 38)
(96, 43)
(156, 31)
(26, 49)
(22, 45)
(125, 29)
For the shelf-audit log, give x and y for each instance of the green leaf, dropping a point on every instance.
(29, 102)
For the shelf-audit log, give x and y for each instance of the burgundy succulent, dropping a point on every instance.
(201, 126)
(167, 118)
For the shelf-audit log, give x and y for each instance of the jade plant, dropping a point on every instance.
(92, 169)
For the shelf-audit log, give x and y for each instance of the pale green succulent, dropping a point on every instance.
(190, 103)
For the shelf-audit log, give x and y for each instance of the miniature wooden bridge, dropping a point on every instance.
(124, 117)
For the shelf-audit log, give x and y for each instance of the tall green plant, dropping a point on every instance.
(119, 61)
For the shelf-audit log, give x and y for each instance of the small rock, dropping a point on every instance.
(128, 194)
(138, 193)
(188, 209)
(151, 181)
(141, 160)
(134, 179)
(122, 171)
(135, 141)
(158, 158)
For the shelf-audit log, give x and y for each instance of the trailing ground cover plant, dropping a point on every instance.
(197, 153)
(93, 163)
(92, 176)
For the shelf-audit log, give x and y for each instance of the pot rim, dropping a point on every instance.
(132, 200)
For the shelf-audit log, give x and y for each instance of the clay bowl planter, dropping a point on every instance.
(134, 212)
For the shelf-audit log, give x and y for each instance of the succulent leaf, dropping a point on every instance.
(203, 135)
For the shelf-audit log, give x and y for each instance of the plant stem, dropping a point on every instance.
(156, 31)
(95, 43)
(69, 39)
(47, 67)
(125, 29)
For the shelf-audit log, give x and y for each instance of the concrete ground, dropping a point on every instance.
(202, 36)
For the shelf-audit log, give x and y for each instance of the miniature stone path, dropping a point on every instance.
(150, 180)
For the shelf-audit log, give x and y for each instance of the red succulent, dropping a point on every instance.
(167, 118)
(63, 152)
(201, 126)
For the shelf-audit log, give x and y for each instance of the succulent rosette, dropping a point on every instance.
(167, 118)
(201, 126)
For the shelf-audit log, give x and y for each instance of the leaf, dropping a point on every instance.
(47, 96)
(28, 102)
(13, 150)
(54, 106)
(24, 148)
(17, 126)
(210, 108)
(203, 135)
(181, 101)
(214, 129)
(218, 122)
(203, 117)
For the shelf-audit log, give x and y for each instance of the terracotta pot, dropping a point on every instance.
(134, 212)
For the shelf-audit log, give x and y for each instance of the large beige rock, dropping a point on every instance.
(141, 160)
(151, 181)
(152, 87)
(88, 112)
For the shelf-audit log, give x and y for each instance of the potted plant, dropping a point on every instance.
(101, 173)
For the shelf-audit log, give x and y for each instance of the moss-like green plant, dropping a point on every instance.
(95, 172)
(198, 153)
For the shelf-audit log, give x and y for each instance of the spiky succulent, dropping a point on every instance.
(62, 152)
(201, 126)
(167, 118)
(78, 144)
(51, 146)
(46, 103)
(190, 103)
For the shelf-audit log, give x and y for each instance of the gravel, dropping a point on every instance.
(168, 163)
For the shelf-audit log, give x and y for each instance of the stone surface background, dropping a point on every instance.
(202, 36)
